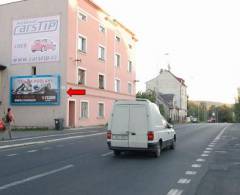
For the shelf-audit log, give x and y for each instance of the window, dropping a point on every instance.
(82, 16)
(129, 66)
(101, 29)
(129, 88)
(117, 60)
(101, 53)
(82, 44)
(34, 70)
(100, 110)
(129, 46)
(117, 85)
(101, 81)
(84, 109)
(117, 38)
(81, 76)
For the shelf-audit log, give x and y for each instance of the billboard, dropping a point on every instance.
(35, 90)
(35, 40)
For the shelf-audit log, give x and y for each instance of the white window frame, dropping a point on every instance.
(82, 14)
(129, 83)
(104, 81)
(85, 79)
(129, 66)
(104, 53)
(117, 79)
(102, 27)
(82, 36)
(103, 110)
(88, 114)
(115, 60)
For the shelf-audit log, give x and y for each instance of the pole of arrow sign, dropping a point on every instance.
(72, 92)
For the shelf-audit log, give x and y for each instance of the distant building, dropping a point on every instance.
(168, 103)
(167, 83)
(48, 47)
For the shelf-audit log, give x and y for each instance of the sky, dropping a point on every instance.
(202, 38)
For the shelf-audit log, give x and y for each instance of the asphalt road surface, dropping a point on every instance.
(206, 161)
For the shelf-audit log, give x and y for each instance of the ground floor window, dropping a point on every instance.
(84, 109)
(101, 110)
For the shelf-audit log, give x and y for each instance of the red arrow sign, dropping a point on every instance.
(71, 92)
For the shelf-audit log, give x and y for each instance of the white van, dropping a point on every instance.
(138, 125)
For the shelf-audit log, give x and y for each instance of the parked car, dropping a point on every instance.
(194, 120)
(43, 45)
(139, 125)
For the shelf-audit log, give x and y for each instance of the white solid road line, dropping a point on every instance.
(9, 155)
(49, 141)
(107, 154)
(32, 151)
(220, 134)
(175, 192)
(15, 183)
(47, 136)
(60, 146)
(46, 148)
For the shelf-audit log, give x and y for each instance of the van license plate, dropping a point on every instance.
(120, 137)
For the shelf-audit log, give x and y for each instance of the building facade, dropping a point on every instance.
(167, 83)
(66, 44)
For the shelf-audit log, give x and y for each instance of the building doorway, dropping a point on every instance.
(71, 114)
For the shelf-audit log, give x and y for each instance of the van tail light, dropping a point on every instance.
(109, 135)
(150, 136)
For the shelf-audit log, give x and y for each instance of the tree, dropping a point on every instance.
(225, 114)
(237, 110)
(192, 109)
(150, 95)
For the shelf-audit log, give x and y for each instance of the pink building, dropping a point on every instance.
(93, 51)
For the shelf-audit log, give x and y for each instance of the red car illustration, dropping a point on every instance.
(43, 45)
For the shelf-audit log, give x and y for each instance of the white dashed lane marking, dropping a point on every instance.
(190, 172)
(211, 145)
(204, 155)
(184, 181)
(196, 165)
(207, 152)
(200, 160)
(209, 149)
(175, 192)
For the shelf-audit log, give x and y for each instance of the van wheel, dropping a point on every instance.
(157, 151)
(173, 145)
(117, 152)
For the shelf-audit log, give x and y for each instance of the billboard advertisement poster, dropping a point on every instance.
(35, 40)
(35, 90)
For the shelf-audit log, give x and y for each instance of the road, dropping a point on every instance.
(206, 161)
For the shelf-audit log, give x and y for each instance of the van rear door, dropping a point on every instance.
(120, 124)
(138, 126)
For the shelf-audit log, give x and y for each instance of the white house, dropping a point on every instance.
(167, 83)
